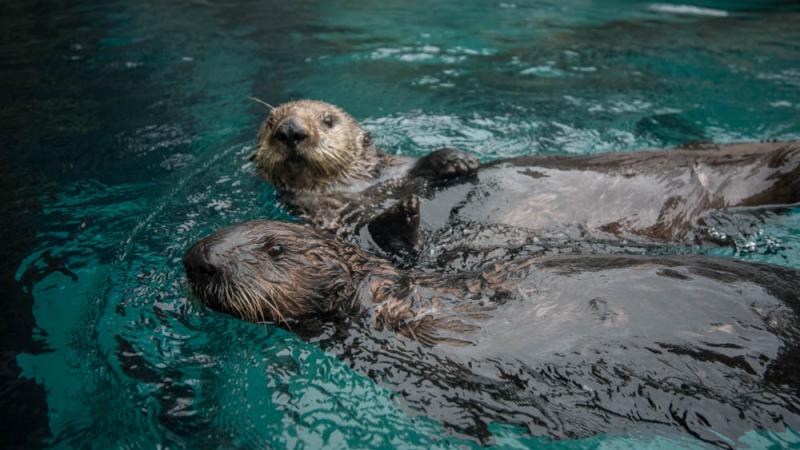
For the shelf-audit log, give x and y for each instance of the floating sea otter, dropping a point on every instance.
(564, 345)
(328, 169)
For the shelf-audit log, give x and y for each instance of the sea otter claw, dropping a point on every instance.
(446, 164)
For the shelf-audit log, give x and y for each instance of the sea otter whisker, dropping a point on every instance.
(232, 299)
(258, 100)
(264, 295)
(253, 303)
(236, 301)
(252, 311)
(244, 302)
(260, 311)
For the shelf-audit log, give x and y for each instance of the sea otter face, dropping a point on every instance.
(307, 145)
(270, 271)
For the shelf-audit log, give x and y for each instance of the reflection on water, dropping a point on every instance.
(125, 130)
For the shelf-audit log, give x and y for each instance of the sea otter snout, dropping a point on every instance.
(197, 263)
(290, 133)
(268, 271)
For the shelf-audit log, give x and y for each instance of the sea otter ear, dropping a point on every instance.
(264, 129)
(397, 230)
(366, 139)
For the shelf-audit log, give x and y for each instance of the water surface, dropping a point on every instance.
(125, 132)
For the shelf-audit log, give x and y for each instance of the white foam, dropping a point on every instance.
(687, 9)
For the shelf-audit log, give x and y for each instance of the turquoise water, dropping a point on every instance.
(125, 132)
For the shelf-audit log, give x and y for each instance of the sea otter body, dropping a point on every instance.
(564, 345)
(328, 169)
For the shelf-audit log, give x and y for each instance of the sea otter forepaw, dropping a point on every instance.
(446, 164)
(397, 230)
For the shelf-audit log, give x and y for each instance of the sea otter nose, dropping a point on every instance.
(290, 133)
(197, 263)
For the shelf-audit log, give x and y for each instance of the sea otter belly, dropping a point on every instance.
(562, 345)
(544, 198)
(584, 345)
(570, 305)
(654, 195)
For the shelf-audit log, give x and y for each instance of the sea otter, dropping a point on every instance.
(329, 170)
(565, 345)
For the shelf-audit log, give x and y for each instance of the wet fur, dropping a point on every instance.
(330, 157)
(645, 197)
(312, 275)
(479, 347)
(318, 274)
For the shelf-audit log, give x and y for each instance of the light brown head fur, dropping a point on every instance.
(271, 271)
(334, 149)
(280, 272)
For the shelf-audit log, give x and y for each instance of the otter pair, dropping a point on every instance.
(564, 344)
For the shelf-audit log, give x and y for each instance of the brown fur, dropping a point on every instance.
(312, 275)
(316, 274)
(591, 332)
(339, 182)
(332, 156)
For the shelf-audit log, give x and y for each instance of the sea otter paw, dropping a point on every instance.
(397, 230)
(446, 164)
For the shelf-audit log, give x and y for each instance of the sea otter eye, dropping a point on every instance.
(327, 119)
(274, 250)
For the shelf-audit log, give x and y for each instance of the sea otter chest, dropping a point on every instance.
(588, 343)
(647, 197)
(582, 307)
(618, 203)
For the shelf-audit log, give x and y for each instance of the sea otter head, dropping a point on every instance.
(308, 145)
(272, 271)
